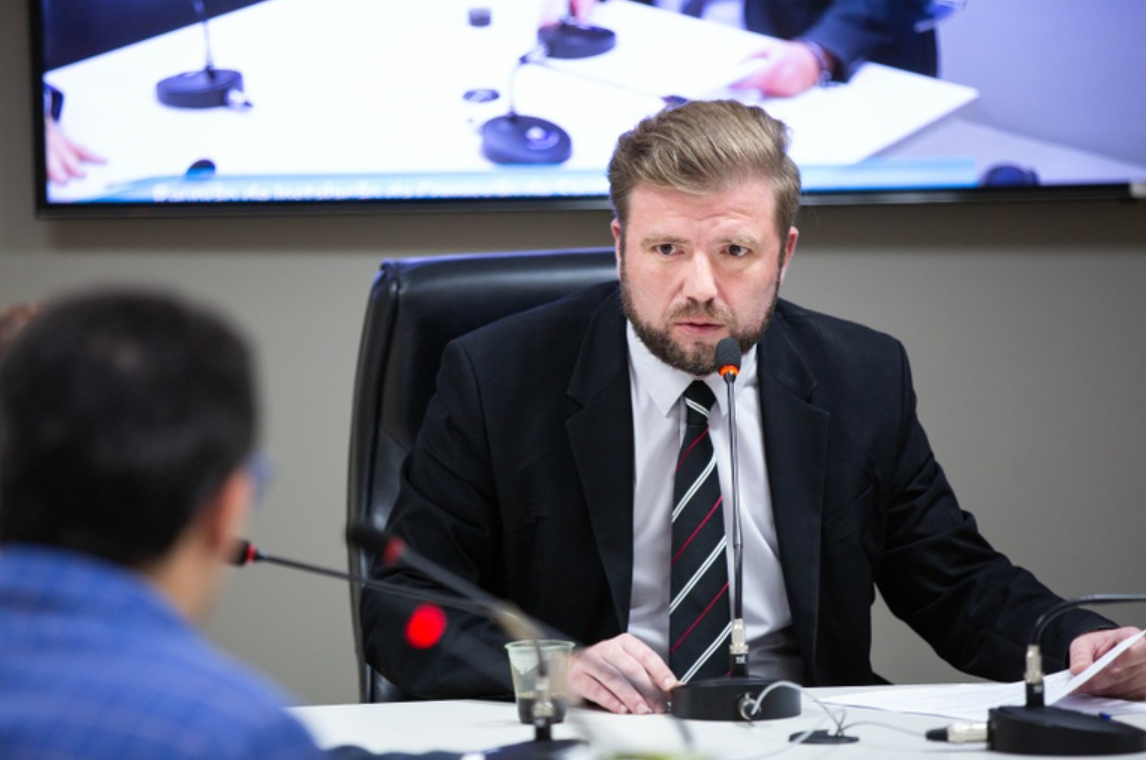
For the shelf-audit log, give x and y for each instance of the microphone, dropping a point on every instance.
(1036, 729)
(208, 88)
(425, 626)
(518, 139)
(728, 363)
(573, 39)
(735, 697)
(394, 552)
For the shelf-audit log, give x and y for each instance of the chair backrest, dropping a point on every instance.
(416, 307)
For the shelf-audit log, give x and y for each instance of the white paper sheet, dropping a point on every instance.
(971, 701)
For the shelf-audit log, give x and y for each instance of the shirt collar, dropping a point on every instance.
(665, 384)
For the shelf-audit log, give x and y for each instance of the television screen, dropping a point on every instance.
(230, 106)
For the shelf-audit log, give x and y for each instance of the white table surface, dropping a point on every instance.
(468, 725)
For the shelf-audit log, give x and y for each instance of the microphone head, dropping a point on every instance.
(245, 553)
(728, 358)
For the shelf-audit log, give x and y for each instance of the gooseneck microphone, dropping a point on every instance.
(1038, 729)
(737, 696)
(728, 365)
(518, 139)
(426, 626)
(247, 553)
(572, 39)
(394, 552)
(208, 88)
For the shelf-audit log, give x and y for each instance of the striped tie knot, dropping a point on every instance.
(698, 401)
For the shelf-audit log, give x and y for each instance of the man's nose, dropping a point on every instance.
(699, 281)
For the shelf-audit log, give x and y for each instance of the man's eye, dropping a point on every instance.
(736, 251)
(666, 249)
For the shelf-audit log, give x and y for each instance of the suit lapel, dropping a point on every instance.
(600, 384)
(795, 444)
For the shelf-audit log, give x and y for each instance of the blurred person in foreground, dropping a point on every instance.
(127, 421)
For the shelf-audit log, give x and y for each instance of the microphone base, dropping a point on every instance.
(208, 88)
(572, 40)
(555, 749)
(1055, 731)
(729, 698)
(517, 139)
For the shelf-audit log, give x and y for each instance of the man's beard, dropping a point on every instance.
(697, 359)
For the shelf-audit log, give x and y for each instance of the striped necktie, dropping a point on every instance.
(699, 617)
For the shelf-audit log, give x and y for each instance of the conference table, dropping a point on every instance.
(471, 725)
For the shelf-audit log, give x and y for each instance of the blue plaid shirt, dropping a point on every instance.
(95, 664)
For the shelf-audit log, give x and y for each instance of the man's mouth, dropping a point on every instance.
(699, 328)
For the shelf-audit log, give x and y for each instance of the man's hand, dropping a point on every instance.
(789, 68)
(623, 675)
(1125, 678)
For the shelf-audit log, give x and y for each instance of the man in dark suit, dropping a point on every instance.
(544, 471)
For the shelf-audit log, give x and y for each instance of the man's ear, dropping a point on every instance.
(618, 243)
(789, 251)
(225, 517)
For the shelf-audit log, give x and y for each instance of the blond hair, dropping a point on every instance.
(704, 146)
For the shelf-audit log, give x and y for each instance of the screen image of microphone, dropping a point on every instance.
(207, 88)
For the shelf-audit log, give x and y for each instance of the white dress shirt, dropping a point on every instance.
(658, 425)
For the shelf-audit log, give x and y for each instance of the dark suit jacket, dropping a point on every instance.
(521, 481)
(78, 29)
(853, 31)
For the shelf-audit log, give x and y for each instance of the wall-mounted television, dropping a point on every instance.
(237, 106)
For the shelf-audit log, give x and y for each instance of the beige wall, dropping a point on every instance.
(1024, 323)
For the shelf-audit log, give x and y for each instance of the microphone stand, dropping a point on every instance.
(247, 553)
(395, 553)
(515, 138)
(739, 649)
(469, 599)
(734, 697)
(572, 39)
(208, 88)
(1038, 729)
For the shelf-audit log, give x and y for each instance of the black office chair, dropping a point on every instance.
(416, 307)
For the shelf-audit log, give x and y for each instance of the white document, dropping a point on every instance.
(971, 701)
